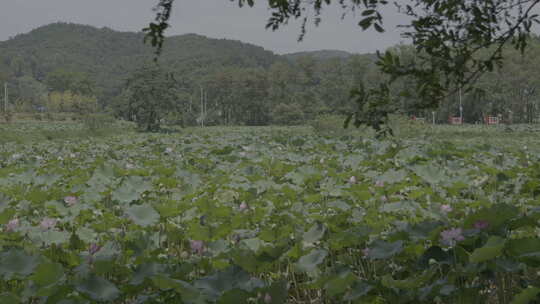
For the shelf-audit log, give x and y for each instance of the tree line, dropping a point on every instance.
(255, 88)
(298, 91)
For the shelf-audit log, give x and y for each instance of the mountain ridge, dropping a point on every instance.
(108, 56)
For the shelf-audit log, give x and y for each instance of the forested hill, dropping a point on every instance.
(243, 83)
(108, 56)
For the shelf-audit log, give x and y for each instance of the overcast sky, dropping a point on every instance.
(212, 18)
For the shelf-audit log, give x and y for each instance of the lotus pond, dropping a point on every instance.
(270, 215)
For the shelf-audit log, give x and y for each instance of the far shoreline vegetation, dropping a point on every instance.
(78, 70)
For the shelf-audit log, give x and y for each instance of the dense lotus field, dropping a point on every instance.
(268, 216)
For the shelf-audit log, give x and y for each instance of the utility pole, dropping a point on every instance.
(202, 106)
(5, 97)
(460, 107)
(205, 103)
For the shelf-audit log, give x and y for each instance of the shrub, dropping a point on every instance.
(328, 124)
(49, 116)
(94, 122)
(8, 116)
(288, 114)
(404, 127)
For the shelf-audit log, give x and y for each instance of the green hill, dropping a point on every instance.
(242, 83)
(108, 56)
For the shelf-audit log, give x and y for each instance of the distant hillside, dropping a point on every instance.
(108, 56)
(320, 55)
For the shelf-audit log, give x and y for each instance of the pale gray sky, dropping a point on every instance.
(212, 18)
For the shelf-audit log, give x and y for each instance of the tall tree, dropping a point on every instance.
(151, 93)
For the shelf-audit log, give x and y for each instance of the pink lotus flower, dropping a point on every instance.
(352, 180)
(481, 224)
(446, 208)
(243, 206)
(267, 298)
(71, 200)
(47, 223)
(451, 236)
(379, 184)
(236, 239)
(365, 252)
(12, 225)
(197, 246)
(94, 248)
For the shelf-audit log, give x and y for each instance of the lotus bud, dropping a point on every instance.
(70, 200)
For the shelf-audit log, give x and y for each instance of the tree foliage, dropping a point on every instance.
(149, 96)
(75, 81)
